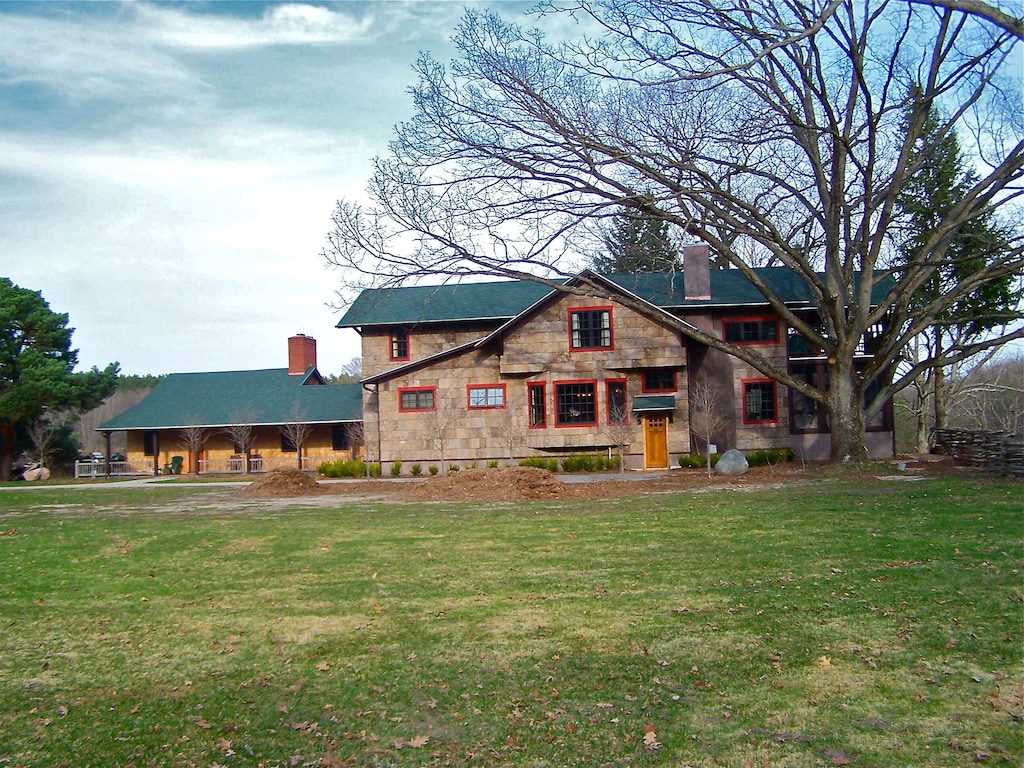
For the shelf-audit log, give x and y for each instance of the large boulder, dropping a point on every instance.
(732, 462)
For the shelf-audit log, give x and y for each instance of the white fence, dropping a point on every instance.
(235, 465)
(231, 466)
(94, 469)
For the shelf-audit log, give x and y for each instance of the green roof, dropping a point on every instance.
(265, 397)
(504, 300)
(440, 303)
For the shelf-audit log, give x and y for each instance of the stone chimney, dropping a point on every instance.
(697, 271)
(301, 354)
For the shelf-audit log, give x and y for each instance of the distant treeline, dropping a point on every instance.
(134, 383)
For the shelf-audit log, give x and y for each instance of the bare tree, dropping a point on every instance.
(242, 435)
(193, 439)
(776, 133)
(44, 432)
(620, 431)
(512, 431)
(991, 396)
(439, 424)
(706, 416)
(297, 432)
(352, 370)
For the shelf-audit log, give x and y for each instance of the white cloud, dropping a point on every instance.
(169, 172)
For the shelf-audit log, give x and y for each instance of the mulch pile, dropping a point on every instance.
(527, 483)
(281, 482)
(512, 484)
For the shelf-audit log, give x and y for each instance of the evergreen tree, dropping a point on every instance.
(636, 244)
(37, 369)
(941, 184)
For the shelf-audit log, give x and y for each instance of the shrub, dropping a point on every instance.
(772, 456)
(471, 465)
(433, 470)
(416, 469)
(453, 467)
(538, 462)
(341, 468)
(396, 468)
(375, 469)
(492, 463)
(697, 460)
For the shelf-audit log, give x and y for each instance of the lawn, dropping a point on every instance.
(855, 622)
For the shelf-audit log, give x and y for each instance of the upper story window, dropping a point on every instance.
(486, 396)
(754, 330)
(659, 380)
(590, 328)
(398, 349)
(575, 403)
(416, 399)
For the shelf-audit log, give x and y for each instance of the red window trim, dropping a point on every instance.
(542, 386)
(391, 346)
(775, 397)
(646, 391)
(758, 318)
(554, 395)
(611, 327)
(504, 396)
(402, 390)
(608, 401)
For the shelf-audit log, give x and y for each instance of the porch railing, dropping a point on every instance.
(95, 469)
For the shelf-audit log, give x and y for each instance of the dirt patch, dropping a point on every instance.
(527, 483)
(282, 482)
(515, 483)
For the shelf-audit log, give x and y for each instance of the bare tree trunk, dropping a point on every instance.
(939, 396)
(847, 413)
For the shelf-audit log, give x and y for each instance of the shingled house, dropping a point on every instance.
(267, 400)
(471, 372)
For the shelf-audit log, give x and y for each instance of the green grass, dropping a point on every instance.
(867, 623)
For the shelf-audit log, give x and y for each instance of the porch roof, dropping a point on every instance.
(269, 397)
(647, 403)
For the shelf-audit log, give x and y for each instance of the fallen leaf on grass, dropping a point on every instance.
(418, 741)
(651, 738)
(323, 666)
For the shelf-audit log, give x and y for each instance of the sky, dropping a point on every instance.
(168, 170)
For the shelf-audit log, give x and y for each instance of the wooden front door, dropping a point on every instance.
(655, 442)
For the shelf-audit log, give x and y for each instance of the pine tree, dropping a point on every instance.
(940, 185)
(636, 244)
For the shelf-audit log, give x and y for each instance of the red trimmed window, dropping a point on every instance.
(659, 380)
(575, 403)
(537, 400)
(760, 403)
(398, 347)
(411, 399)
(751, 330)
(590, 328)
(480, 396)
(615, 392)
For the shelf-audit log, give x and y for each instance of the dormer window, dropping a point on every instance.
(399, 348)
(590, 328)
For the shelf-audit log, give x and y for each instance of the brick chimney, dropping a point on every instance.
(697, 271)
(301, 354)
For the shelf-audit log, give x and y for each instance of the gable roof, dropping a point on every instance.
(222, 399)
(504, 300)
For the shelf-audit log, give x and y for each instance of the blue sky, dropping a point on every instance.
(168, 170)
